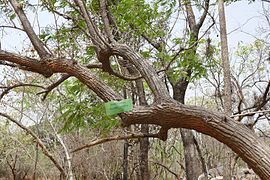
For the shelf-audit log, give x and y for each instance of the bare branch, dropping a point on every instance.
(94, 65)
(56, 65)
(250, 113)
(39, 142)
(96, 38)
(168, 169)
(7, 89)
(205, 12)
(54, 85)
(191, 18)
(38, 45)
(104, 15)
(26, 63)
(12, 27)
(114, 138)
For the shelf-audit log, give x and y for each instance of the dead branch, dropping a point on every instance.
(8, 88)
(39, 142)
(113, 138)
(54, 85)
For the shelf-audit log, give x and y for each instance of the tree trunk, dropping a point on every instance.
(125, 161)
(144, 142)
(193, 166)
(144, 148)
(192, 161)
(227, 172)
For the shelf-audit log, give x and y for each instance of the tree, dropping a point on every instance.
(227, 78)
(98, 28)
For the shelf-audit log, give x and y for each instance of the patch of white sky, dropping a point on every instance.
(16, 40)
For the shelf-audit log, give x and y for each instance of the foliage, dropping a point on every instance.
(83, 110)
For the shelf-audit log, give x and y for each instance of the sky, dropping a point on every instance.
(242, 19)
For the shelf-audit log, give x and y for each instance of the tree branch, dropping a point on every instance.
(146, 70)
(114, 138)
(39, 142)
(104, 15)
(96, 38)
(7, 89)
(38, 45)
(58, 65)
(26, 63)
(165, 167)
(217, 125)
(205, 12)
(250, 113)
(54, 85)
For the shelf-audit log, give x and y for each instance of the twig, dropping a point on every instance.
(165, 167)
(54, 85)
(250, 113)
(8, 88)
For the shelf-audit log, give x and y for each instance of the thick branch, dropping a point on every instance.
(191, 18)
(38, 45)
(26, 63)
(51, 66)
(228, 131)
(146, 70)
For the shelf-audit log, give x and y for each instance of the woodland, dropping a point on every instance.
(132, 90)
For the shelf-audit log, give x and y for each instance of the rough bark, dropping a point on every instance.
(234, 134)
(144, 142)
(227, 83)
(125, 160)
(192, 160)
(193, 166)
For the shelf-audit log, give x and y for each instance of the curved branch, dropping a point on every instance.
(54, 65)
(226, 130)
(146, 70)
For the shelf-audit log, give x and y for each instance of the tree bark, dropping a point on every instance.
(227, 172)
(235, 135)
(144, 142)
(165, 111)
(193, 166)
(125, 161)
